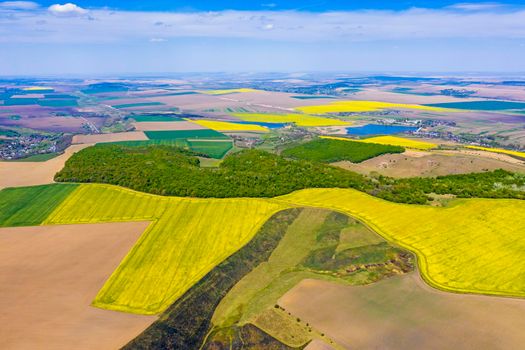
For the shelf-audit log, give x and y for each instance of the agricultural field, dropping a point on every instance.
(227, 91)
(279, 211)
(35, 172)
(482, 105)
(298, 119)
(316, 244)
(154, 274)
(228, 126)
(110, 137)
(471, 226)
(331, 150)
(498, 150)
(447, 269)
(392, 141)
(430, 164)
(207, 134)
(403, 313)
(138, 104)
(27, 206)
(166, 126)
(50, 299)
(364, 106)
(154, 118)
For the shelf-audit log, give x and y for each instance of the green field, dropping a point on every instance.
(140, 104)
(331, 150)
(155, 118)
(58, 102)
(185, 134)
(26, 206)
(318, 244)
(481, 105)
(212, 149)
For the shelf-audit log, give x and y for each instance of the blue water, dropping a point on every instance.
(374, 129)
(268, 125)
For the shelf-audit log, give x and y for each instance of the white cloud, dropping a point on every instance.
(477, 6)
(62, 25)
(157, 40)
(68, 9)
(19, 5)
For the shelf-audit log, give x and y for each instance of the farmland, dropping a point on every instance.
(476, 236)
(187, 239)
(26, 206)
(227, 91)
(297, 119)
(64, 266)
(403, 313)
(254, 211)
(470, 226)
(499, 150)
(364, 106)
(227, 126)
(317, 244)
(185, 134)
(330, 150)
(138, 104)
(154, 118)
(391, 140)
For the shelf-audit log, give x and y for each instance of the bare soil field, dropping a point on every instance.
(317, 344)
(404, 313)
(112, 137)
(50, 123)
(154, 126)
(436, 163)
(16, 174)
(48, 277)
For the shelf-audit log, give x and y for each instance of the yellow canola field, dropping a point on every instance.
(364, 106)
(473, 245)
(226, 126)
(298, 119)
(390, 140)
(227, 91)
(187, 238)
(499, 150)
(35, 88)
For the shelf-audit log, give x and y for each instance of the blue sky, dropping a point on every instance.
(304, 5)
(118, 37)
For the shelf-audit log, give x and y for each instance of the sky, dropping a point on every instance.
(162, 36)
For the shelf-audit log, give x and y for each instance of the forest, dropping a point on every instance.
(166, 170)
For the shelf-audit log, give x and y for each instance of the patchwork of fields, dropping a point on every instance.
(464, 247)
(187, 239)
(365, 106)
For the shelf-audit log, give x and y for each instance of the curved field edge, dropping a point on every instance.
(187, 239)
(471, 246)
(517, 218)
